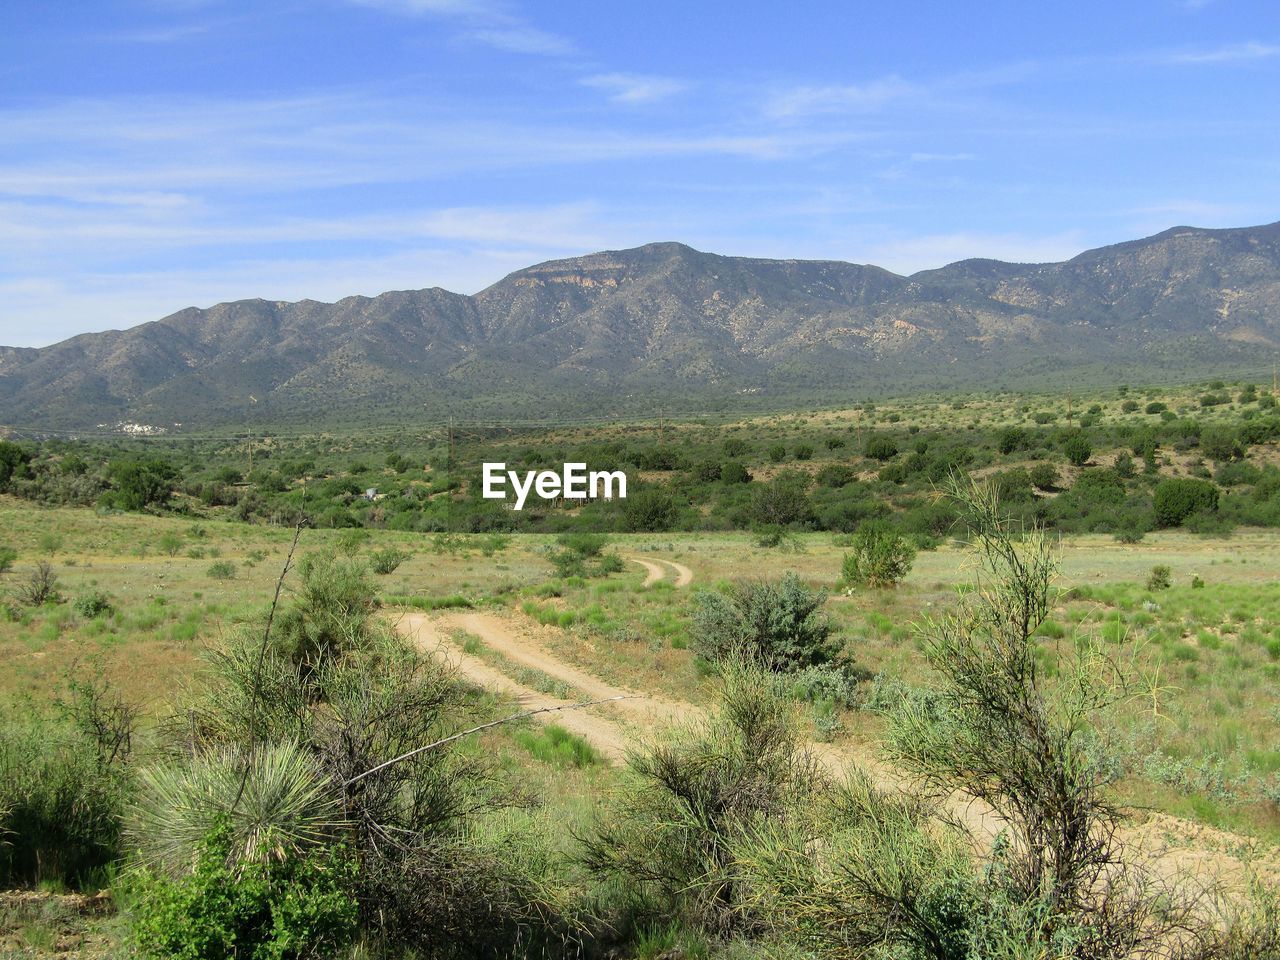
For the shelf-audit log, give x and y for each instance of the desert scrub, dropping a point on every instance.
(60, 804)
(779, 623)
(222, 570)
(880, 557)
(388, 560)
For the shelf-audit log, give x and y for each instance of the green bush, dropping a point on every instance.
(95, 604)
(1220, 443)
(60, 805)
(881, 448)
(388, 560)
(667, 838)
(331, 611)
(1178, 498)
(138, 484)
(881, 557)
(222, 570)
(1077, 449)
(650, 510)
(1044, 476)
(1161, 577)
(778, 623)
(782, 501)
(12, 456)
(278, 909)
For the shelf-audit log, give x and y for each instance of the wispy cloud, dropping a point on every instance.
(483, 21)
(634, 87)
(1231, 53)
(521, 38)
(847, 98)
(939, 157)
(175, 33)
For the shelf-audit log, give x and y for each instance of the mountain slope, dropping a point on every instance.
(666, 326)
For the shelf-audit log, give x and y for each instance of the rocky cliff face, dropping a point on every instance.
(668, 324)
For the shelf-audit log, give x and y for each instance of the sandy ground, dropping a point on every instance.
(655, 570)
(1176, 847)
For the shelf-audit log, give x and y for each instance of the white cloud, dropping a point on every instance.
(939, 157)
(1231, 53)
(850, 98)
(633, 87)
(485, 22)
(522, 39)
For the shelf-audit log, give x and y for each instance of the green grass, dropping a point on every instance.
(553, 744)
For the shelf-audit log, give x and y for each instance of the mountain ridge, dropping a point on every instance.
(670, 326)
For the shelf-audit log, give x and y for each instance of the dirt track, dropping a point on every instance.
(1177, 846)
(655, 571)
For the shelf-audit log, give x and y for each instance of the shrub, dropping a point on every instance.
(1161, 577)
(708, 471)
(1010, 439)
(388, 560)
(778, 623)
(222, 570)
(1044, 476)
(285, 807)
(95, 604)
(667, 840)
(1178, 498)
(170, 544)
(60, 805)
(734, 472)
(278, 909)
(650, 510)
(781, 502)
(803, 451)
(1220, 443)
(140, 483)
(12, 457)
(835, 475)
(881, 448)
(881, 557)
(40, 587)
(7, 556)
(1077, 449)
(331, 611)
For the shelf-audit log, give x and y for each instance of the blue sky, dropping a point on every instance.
(156, 154)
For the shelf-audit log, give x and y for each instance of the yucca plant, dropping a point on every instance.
(284, 806)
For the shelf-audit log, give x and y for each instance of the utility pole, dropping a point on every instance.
(249, 427)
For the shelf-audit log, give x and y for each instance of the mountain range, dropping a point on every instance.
(664, 328)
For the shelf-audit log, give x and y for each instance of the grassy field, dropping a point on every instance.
(1188, 615)
(1205, 745)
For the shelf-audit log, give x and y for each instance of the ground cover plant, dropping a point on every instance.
(129, 678)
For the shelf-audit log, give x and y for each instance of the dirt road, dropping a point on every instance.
(656, 571)
(1175, 845)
